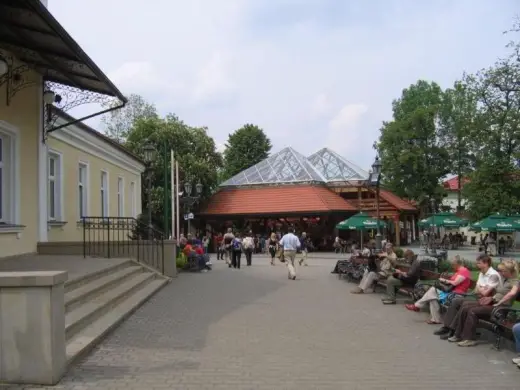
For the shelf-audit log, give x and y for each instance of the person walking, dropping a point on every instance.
(249, 246)
(304, 249)
(272, 244)
(236, 249)
(290, 244)
(228, 240)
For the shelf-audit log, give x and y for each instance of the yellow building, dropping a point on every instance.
(53, 168)
(88, 175)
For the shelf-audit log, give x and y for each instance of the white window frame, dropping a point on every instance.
(84, 183)
(105, 194)
(133, 199)
(58, 185)
(10, 185)
(120, 196)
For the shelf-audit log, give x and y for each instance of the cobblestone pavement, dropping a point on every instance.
(255, 329)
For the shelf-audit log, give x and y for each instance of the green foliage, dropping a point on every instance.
(181, 261)
(193, 148)
(470, 130)
(410, 148)
(495, 185)
(246, 147)
(119, 123)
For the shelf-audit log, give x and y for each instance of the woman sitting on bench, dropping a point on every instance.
(472, 312)
(459, 283)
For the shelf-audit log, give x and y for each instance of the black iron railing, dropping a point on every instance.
(118, 237)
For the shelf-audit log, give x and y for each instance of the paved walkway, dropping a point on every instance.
(254, 329)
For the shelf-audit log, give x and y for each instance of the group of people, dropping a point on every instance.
(494, 288)
(286, 248)
(196, 252)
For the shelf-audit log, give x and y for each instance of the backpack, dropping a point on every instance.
(236, 245)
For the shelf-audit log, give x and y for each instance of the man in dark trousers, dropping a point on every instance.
(304, 249)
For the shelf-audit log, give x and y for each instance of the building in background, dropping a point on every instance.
(314, 192)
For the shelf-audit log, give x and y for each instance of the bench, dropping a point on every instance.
(352, 268)
(502, 319)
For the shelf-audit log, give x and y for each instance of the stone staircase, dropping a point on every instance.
(98, 302)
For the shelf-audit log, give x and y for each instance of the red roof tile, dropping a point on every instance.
(275, 200)
(399, 203)
(453, 183)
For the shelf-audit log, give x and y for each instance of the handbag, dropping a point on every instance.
(444, 287)
(419, 290)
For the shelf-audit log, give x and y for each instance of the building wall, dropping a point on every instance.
(73, 148)
(19, 123)
(451, 200)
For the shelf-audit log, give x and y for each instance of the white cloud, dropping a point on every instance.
(321, 105)
(344, 134)
(213, 80)
(135, 76)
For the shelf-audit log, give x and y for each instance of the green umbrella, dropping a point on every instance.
(497, 223)
(360, 221)
(447, 220)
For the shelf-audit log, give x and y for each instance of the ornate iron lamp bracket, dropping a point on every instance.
(68, 98)
(17, 77)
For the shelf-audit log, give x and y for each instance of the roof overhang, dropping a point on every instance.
(30, 34)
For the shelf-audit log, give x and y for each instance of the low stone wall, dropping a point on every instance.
(144, 251)
(32, 321)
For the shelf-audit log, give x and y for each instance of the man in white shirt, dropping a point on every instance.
(290, 244)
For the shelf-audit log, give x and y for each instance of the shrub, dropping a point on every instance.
(180, 261)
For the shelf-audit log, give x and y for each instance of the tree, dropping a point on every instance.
(458, 120)
(246, 147)
(118, 123)
(412, 156)
(495, 184)
(194, 149)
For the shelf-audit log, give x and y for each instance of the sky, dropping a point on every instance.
(311, 73)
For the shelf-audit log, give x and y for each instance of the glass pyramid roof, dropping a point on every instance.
(286, 166)
(336, 168)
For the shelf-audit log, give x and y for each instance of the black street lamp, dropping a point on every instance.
(433, 234)
(188, 200)
(149, 157)
(374, 179)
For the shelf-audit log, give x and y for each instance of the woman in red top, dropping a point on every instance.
(460, 281)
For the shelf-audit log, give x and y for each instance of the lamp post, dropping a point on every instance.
(433, 237)
(189, 200)
(375, 180)
(149, 157)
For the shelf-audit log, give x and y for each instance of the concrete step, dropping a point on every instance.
(80, 281)
(89, 311)
(83, 341)
(93, 288)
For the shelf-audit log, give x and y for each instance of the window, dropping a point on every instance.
(83, 190)
(120, 197)
(132, 199)
(9, 190)
(104, 194)
(54, 187)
